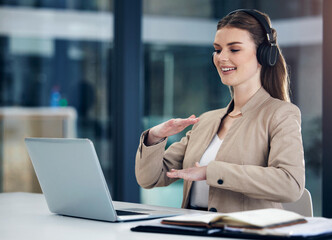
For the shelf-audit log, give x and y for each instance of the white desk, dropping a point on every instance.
(26, 216)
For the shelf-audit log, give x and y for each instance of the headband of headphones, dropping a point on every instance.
(261, 19)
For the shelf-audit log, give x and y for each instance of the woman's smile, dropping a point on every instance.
(228, 70)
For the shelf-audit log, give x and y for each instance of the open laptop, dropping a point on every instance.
(73, 183)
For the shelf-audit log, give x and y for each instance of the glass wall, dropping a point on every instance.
(215, 9)
(180, 79)
(54, 78)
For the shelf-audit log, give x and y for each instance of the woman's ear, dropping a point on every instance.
(213, 59)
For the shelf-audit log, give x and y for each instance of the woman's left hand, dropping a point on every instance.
(196, 173)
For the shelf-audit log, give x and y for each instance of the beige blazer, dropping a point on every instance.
(259, 164)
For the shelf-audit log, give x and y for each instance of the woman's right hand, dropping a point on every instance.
(169, 128)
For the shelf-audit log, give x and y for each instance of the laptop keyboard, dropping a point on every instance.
(126, 213)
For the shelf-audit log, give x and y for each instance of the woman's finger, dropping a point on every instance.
(187, 122)
(172, 174)
(174, 126)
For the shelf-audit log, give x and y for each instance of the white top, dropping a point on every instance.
(200, 190)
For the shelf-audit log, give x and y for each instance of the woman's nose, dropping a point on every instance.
(222, 56)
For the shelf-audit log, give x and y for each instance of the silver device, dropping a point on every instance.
(73, 183)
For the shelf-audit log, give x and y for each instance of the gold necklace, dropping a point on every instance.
(235, 116)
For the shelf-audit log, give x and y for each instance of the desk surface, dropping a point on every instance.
(26, 216)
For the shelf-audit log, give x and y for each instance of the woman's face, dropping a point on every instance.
(235, 57)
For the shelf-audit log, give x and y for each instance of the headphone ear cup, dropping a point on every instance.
(267, 55)
(262, 53)
(273, 55)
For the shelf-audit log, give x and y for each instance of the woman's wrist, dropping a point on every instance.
(152, 140)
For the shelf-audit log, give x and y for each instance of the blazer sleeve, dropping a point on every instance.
(283, 179)
(153, 162)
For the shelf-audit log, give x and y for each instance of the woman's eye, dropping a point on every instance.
(217, 51)
(235, 50)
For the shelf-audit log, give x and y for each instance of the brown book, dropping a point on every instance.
(257, 219)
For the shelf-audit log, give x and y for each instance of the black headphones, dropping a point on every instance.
(267, 51)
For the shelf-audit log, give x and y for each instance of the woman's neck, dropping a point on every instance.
(242, 96)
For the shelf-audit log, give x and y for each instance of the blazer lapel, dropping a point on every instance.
(208, 135)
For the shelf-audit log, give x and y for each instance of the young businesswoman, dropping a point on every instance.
(248, 155)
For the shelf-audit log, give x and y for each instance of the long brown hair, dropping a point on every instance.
(275, 80)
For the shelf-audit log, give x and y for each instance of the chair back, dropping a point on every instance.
(302, 206)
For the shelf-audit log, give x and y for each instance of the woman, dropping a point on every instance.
(248, 155)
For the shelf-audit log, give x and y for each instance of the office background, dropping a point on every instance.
(107, 70)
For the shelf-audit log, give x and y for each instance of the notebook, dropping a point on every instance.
(73, 183)
(252, 219)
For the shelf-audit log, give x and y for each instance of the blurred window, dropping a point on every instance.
(54, 61)
(95, 5)
(216, 9)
